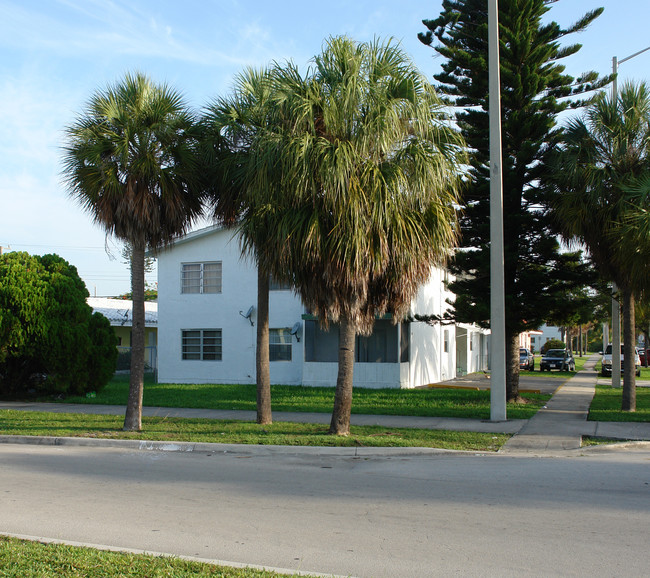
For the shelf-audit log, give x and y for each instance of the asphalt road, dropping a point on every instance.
(423, 515)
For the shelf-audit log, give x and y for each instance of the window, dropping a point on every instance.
(405, 342)
(446, 341)
(382, 346)
(201, 277)
(279, 345)
(201, 344)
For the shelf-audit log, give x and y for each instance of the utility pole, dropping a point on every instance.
(497, 282)
(616, 308)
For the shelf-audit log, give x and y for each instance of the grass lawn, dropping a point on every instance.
(14, 422)
(25, 559)
(606, 405)
(468, 403)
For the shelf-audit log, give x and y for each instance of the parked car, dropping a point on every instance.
(606, 369)
(526, 359)
(560, 359)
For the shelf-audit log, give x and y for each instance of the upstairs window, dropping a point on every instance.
(201, 277)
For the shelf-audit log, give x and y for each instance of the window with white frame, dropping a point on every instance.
(201, 344)
(201, 277)
(279, 344)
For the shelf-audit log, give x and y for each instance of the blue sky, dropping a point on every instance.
(55, 53)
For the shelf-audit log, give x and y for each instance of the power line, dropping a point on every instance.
(75, 247)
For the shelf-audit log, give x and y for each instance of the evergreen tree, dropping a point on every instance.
(535, 89)
(50, 340)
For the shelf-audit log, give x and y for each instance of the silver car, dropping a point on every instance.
(606, 370)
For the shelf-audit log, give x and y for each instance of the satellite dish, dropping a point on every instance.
(249, 313)
(295, 330)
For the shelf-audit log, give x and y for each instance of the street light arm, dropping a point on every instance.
(633, 55)
(615, 63)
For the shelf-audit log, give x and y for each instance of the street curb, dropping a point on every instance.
(138, 552)
(241, 449)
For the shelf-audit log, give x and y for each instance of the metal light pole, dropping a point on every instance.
(615, 63)
(497, 283)
(616, 308)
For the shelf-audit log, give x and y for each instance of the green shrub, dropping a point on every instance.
(50, 341)
(553, 344)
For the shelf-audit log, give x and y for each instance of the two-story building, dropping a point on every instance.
(207, 293)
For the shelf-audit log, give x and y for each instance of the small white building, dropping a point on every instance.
(120, 314)
(207, 295)
(545, 333)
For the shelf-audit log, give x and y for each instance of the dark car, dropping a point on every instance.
(526, 359)
(642, 358)
(560, 359)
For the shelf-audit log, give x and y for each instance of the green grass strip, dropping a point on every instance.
(606, 405)
(168, 429)
(435, 402)
(26, 559)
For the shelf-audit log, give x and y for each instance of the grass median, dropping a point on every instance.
(27, 559)
(606, 405)
(435, 402)
(171, 429)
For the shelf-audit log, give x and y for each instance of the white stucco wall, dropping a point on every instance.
(179, 311)
(370, 375)
(548, 332)
(428, 360)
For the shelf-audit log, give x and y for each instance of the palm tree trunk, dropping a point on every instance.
(629, 371)
(262, 369)
(340, 424)
(512, 365)
(133, 417)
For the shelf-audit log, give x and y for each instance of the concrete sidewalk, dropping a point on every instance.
(558, 427)
(561, 424)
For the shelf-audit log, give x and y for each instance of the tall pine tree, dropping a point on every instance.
(534, 90)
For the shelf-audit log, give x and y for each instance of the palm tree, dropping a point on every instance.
(342, 182)
(370, 171)
(604, 158)
(240, 173)
(130, 161)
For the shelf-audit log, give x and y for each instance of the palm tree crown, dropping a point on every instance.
(370, 181)
(130, 162)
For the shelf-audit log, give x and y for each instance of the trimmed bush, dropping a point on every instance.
(553, 344)
(50, 341)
